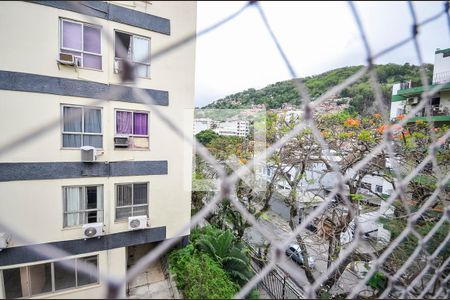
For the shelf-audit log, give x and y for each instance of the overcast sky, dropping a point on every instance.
(316, 36)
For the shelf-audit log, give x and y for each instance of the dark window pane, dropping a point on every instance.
(93, 140)
(64, 275)
(84, 278)
(140, 210)
(13, 283)
(123, 213)
(140, 194)
(122, 39)
(40, 278)
(93, 217)
(72, 140)
(91, 196)
(124, 195)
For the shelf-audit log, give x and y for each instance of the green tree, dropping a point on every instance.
(229, 254)
(206, 136)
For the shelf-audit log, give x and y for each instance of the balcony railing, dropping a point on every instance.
(442, 77)
(436, 110)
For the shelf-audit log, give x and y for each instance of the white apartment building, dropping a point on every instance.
(141, 170)
(233, 128)
(202, 124)
(406, 97)
(229, 128)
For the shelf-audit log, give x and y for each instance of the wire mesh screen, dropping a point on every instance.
(410, 154)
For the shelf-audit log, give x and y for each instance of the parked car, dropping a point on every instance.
(294, 252)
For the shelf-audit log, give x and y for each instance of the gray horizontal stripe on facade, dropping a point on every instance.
(26, 82)
(114, 13)
(30, 253)
(61, 170)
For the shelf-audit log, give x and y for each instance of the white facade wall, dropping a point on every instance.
(441, 71)
(35, 207)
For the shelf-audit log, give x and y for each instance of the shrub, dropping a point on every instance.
(200, 277)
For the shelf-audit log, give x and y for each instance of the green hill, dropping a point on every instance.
(275, 95)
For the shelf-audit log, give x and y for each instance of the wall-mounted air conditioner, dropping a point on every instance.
(137, 222)
(88, 154)
(68, 59)
(91, 230)
(121, 141)
(412, 100)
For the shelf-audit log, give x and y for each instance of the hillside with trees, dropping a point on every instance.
(275, 95)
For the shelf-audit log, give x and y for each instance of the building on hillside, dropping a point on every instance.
(239, 128)
(108, 178)
(202, 124)
(233, 128)
(405, 97)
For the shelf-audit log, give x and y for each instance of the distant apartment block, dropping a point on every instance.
(106, 175)
(228, 128)
(405, 97)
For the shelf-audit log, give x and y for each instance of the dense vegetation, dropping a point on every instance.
(213, 266)
(275, 95)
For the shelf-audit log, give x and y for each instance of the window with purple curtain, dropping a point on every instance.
(124, 121)
(140, 124)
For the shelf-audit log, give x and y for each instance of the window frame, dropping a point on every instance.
(82, 51)
(52, 275)
(376, 188)
(81, 133)
(132, 51)
(132, 200)
(116, 134)
(100, 212)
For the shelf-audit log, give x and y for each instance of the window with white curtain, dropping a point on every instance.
(136, 49)
(81, 126)
(131, 200)
(82, 205)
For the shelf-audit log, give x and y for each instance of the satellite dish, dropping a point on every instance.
(135, 223)
(91, 231)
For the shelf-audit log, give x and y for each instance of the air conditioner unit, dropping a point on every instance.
(88, 154)
(121, 141)
(69, 59)
(66, 59)
(91, 230)
(118, 66)
(137, 222)
(412, 100)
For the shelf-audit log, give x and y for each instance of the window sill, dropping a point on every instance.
(64, 292)
(67, 148)
(131, 149)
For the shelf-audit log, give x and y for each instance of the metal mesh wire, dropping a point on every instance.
(434, 272)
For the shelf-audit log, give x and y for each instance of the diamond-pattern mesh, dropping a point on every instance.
(431, 281)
